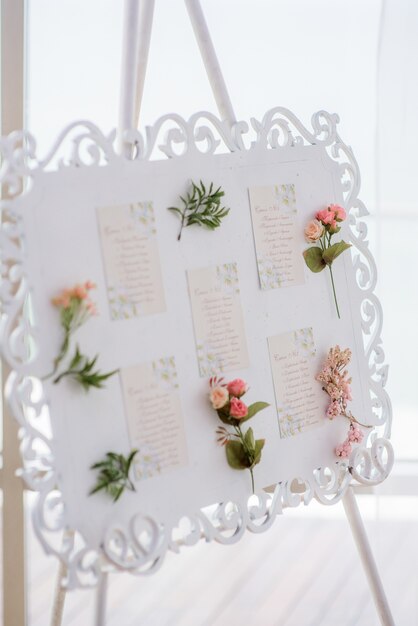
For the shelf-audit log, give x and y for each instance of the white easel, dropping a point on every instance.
(138, 16)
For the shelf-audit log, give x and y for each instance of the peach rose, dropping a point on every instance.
(237, 387)
(313, 231)
(238, 409)
(219, 396)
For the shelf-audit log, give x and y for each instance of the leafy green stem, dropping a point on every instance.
(113, 477)
(201, 206)
(81, 369)
(333, 289)
(249, 454)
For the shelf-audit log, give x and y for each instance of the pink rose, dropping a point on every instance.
(339, 212)
(237, 387)
(238, 409)
(313, 231)
(325, 216)
(219, 396)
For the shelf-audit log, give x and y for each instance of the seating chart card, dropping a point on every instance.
(298, 399)
(131, 260)
(275, 227)
(155, 421)
(218, 320)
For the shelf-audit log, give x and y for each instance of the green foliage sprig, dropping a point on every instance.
(201, 207)
(113, 477)
(81, 370)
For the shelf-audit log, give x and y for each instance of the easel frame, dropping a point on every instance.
(143, 20)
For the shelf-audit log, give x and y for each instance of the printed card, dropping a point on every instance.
(131, 260)
(218, 321)
(298, 395)
(155, 421)
(276, 231)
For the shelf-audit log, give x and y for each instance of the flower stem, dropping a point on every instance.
(63, 351)
(333, 289)
(252, 479)
(181, 225)
(353, 419)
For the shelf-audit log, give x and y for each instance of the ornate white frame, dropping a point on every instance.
(141, 547)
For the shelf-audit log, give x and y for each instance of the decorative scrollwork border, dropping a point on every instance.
(142, 546)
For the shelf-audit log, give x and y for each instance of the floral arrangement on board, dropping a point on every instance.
(243, 451)
(320, 231)
(76, 307)
(201, 206)
(113, 477)
(337, 384)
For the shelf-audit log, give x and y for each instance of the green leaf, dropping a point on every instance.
(331, 253)
(253, 409)
(313, 259)
(224, 416)
(249, 439)
(259, 445)
(235, 455)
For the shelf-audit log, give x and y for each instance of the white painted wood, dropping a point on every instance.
(144, 37)
(101, 597)
(366, 555)
(12, 118)
(128, 85)
(210, 60)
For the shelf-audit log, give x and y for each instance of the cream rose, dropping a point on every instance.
(219, 396)
(313, 231)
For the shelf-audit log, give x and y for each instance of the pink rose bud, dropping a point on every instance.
(339, 212)
(219, 396)
(313, 231)
(237, 387)
(238, 409)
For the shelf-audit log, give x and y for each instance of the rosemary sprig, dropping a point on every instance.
(201, 207)
(81, 369)
(113, 476)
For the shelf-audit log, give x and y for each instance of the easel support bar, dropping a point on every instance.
(367, 559)
(210, 60)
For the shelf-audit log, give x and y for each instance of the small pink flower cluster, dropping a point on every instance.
(330, 217)
(227, 396)
(78, 295)
(354, 435)
(336, 383)
(335, 380)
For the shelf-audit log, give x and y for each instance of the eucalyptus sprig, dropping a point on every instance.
(81, 370)
(201, 207)
(113, 476)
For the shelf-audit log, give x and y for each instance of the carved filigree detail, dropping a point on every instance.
(142, 545)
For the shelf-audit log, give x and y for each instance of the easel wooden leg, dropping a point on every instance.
(59, 597)
(369, 564)
(100, 618)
